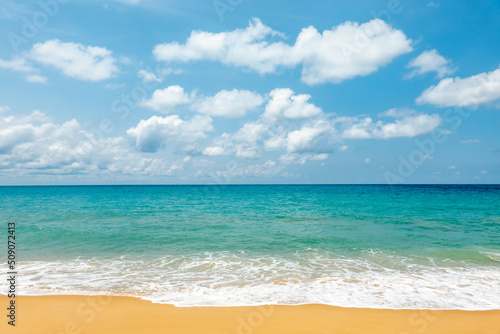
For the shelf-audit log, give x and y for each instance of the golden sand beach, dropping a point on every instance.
(113, 315)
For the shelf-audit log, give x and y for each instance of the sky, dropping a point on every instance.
(249, 92)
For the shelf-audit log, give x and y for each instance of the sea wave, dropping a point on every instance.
(237, 279)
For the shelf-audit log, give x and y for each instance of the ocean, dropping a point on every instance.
(377, 246)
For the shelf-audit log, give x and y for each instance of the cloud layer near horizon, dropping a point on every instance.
(287, 123)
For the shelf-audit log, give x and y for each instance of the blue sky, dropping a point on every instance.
(239, 91)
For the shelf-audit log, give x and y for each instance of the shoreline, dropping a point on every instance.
(119, 314)
(145, 298)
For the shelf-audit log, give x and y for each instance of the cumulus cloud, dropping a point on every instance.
(408, 123)
(247, 151)
(316, 132)
(212, 151)
(22, 65)
(148, 77)
(151, 134)
(251, 132)
(343, 52)
(34, 145)
(468, 92)
(284, 104)
(244, 143)
(157, 75)
(275, 142)
(88, 63)
(165, 100)
(430, 61)
(348, 50)
(248, 142)
(231, 104)
(309, 138)
(18, 130)
(289, 122)
(16, 64)
(241, 47)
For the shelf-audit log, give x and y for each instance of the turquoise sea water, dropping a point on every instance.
(346, 245)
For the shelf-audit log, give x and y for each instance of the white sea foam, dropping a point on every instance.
(493, 256)
(224, 279)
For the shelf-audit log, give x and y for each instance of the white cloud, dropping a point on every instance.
(251, 132)
(230, 104)
(346, 51)
(408, 124)
(170, 70)
(275, 142)
(247, 151)
(165, 100)
(247, 141)
(244, 143)
(430, 61)
(147, 77)
(305, 139)
(367, 161)
(317, 134)
(34, 145)
(23, 66)
(241, 47)
(483, 172)
(302, 140)
(151, 134)
(213, 151)
(89, 63)
(35, 78)
(468, 92)
(302, 158)
(284, 104)
(343, 148)
(309, 138)
(4, 109)
(16, 64)
(451, 167)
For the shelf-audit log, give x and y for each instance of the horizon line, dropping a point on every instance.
(249, 184)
